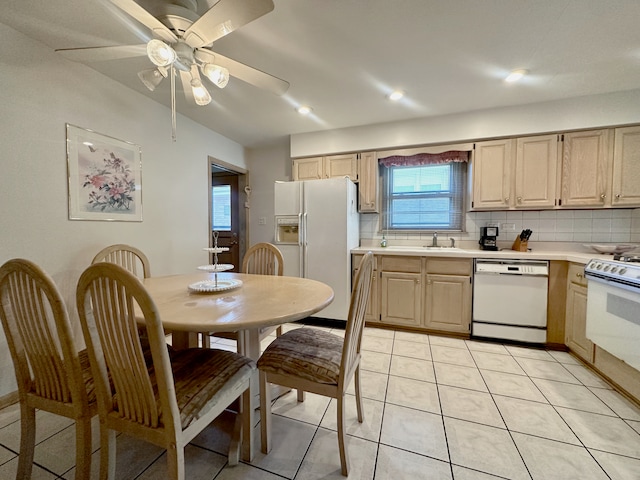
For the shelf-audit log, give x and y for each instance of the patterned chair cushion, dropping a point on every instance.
(307, 353)
(201, 375)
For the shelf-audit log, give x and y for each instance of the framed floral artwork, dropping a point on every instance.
(105, 177)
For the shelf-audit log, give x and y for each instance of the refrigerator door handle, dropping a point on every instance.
(303, 250)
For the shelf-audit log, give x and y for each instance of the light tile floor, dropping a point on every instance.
(435, 408)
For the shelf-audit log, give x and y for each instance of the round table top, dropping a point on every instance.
(261, 301)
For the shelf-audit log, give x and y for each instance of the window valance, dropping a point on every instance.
(418, 159)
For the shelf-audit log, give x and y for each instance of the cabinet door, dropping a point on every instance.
(372, 313)
(626, 167)
(576, 324)
(536, 167)
(308, 168)
(585, 165)
(492, 165)
(448, 303)
(369, 183)
(401, 299)
(342, 166)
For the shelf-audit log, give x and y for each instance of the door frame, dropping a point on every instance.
(243, 201)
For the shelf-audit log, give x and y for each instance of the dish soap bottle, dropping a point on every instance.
(383, 242)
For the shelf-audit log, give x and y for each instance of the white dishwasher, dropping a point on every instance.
(510, 300)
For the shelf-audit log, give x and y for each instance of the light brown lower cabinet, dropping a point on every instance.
(448, 303)
(421, 293)
(400, 302)
(576, 314)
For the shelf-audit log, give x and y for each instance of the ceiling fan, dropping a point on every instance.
(179, 41)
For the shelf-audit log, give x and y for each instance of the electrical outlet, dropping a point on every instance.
(262, 221)
(509, 227)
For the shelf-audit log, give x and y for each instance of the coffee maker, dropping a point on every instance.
(488, 237)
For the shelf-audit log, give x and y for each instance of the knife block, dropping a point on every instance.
(520, 245)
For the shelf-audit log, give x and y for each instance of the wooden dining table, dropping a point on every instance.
(260, 301)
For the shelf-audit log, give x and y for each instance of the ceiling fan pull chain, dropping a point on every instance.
(173, 103)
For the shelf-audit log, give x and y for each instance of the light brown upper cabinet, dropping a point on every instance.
(626, 167)
(515, 173)
(308, 168)
(585, 169)
(315, 168)
(492, 164)
(535, 172)
(368, 190)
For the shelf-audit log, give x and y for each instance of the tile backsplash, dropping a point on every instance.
(580, 226)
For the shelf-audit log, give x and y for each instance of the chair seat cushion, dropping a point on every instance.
(307, 353)
(201, 376)
(87, 376)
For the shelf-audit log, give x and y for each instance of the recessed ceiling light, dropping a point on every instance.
(515, 76)
(304, 110)
(396, 95)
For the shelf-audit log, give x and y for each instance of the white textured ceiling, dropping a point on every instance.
(343, 56)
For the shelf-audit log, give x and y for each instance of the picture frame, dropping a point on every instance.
(104, 176)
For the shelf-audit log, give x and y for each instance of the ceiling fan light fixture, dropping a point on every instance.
(515, 76)
(152, 77)
(396, 95)
(160, 53)
(200, 93)
(218, 75)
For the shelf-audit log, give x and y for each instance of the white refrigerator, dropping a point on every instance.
(316, 226)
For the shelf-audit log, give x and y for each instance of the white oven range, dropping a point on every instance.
(613, 307)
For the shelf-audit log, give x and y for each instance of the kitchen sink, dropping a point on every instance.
(439, 247)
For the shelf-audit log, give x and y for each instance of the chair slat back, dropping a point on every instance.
(263, 259)
(355, 320)
(107, 297)
(128, 257)
(39, 333)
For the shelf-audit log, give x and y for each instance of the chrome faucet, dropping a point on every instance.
(434, 242)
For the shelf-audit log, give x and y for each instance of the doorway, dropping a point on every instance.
(227, 213)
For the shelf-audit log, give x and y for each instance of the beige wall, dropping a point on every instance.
(41, 91)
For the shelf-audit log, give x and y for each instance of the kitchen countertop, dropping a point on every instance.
(414, 251)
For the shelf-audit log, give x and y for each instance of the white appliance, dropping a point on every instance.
(613, 306)
(510, 300)
(316, 226)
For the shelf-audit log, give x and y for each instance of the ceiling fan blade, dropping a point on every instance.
(158, 29)
(185, 77)
(100, 54)
(223, 18)
(247, 74)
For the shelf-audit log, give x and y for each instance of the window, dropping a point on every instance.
(424, 196)
(221, 208)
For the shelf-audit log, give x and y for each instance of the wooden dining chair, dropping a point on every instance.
(51, 374)
(260, 259)
(126, 256)
(263, 259)
(173, 400)
(313, 360)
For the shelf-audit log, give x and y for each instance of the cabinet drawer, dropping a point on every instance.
(356, 258)
(401, 264)
(449, 266)
(576, 274)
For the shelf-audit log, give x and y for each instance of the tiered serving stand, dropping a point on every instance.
(215, 285)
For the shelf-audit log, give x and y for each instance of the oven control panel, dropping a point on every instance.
(614, 270)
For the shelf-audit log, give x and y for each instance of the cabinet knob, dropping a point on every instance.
(506, 200)
(603, 196)
(618, 196)
(519, 199)
(579, 275)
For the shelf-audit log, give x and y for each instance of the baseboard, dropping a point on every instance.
(324, 322)
(9, 399)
